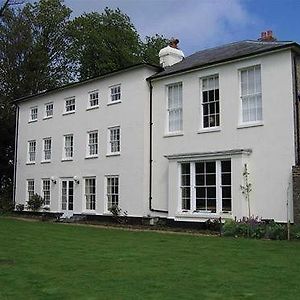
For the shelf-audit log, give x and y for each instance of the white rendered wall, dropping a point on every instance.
(272, 143)
(132, 115)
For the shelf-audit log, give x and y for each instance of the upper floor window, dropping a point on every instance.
(31, 151)
(251, 96)
(70, 105)
(33, 113)
(48, 110)
(92, 147)
(114, 142)
(47, 147)
(30, 189)
(90, 193)
(174, 108)
(210, 102)
(115, 93)
(68, 147)
(206, 186)
(46, 191)
(93, 99)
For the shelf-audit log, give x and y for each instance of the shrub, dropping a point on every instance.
(295, 232)
(119, 215)
(20, 207)
(275, 231)
(257, 228)
(35, 203)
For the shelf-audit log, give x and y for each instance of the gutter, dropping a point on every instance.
(16, 154)
(151, 152)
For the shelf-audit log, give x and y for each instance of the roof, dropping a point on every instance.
(223, 54)
(73, 84)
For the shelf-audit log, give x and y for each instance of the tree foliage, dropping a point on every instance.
(42, 48)
(104, 42)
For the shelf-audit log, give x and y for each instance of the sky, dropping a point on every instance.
(199, 24)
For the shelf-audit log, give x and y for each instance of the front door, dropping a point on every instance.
(67, 194)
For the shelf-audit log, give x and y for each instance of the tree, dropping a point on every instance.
(7, 3)
(151, 48)
(33, 58)
(101, 43)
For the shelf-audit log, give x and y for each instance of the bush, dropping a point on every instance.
(256, 228)
(35, 203)
(275, 231)
(118, 215)
(20, 207)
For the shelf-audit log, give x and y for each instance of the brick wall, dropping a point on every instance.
(296, 193)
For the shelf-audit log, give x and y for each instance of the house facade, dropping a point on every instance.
(83, 148)
(181, 142)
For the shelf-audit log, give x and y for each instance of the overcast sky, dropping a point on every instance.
(200, 24)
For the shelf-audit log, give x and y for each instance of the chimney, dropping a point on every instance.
(170, 55)
(267, 36)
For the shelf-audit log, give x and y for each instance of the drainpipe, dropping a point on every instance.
(297, 99)
(151, 154)
(15, 154)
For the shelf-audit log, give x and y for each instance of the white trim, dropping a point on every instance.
(108, 145)
(210, 129)
(106, 211)
(87, 152)
(110, 102)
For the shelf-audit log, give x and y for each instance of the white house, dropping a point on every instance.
(170, 142)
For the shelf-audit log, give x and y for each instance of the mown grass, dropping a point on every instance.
(56, 261)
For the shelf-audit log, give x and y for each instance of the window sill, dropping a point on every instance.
(253, 124)
(30, 163)
(89, 212)
(170, 134)
(203, 215)
(207, 130)
(47, 118)
(92, 107)
(69, 112)
(45, 161)
(91, 157)
(32, 121)
(114, 102)
(67, 159)
(113, 154)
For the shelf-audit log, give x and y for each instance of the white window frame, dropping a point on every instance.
(218, 188)
(107, 194)
(32, 191)
(46, 182)
(92, 97)
(47, 150)
(217, 103)
(65, 147)
(88, 195)
(68, 105)
(31, 151)
(110, 142)
(47, 115)
(178, 109)
(257, 121)
(33, 114)
(113, 94)
(91, 143)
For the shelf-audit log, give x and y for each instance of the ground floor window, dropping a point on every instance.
(90, 193)
(46, 191)
(206, 186)
(112, 191)
(30, 189)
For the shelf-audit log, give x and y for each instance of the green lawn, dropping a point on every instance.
(56, 261)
